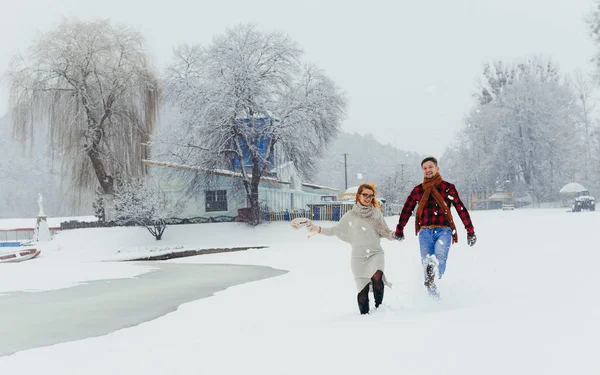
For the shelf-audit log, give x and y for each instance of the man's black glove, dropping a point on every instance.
(399, 235)
(471, 239)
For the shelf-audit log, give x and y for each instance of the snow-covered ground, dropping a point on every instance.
(522, 301)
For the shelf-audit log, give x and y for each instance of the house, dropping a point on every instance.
(282, 190)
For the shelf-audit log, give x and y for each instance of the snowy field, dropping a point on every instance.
(522, 301)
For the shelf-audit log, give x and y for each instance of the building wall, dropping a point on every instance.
(286, 199)
(276, 197)
(196, 206)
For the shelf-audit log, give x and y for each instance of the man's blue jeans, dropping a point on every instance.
(436, 241)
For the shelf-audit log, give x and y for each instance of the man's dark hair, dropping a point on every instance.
(429, 158)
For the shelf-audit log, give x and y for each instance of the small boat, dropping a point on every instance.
(18, 251)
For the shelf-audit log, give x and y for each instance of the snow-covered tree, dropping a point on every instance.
(137, 203)
(395, 186)
(496, 75)
(92, 84)
(499, 74)
(595, 162)
(98, 206)
(245, 97)
(584, 89)
(522, 139)
(593, 25)
(593, 141)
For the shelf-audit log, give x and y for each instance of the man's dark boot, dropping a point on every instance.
(429, 276)
(363, 300)
(430, 281)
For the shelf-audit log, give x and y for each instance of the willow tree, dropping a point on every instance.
(92, 86)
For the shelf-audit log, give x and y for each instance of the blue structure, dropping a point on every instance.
(316, 214)
(263, 145)
(336, 213)
(329, 210)
(10, 244)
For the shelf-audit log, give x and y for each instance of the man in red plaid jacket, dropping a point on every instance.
(434, 222)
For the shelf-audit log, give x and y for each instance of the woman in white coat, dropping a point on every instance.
(363, 227)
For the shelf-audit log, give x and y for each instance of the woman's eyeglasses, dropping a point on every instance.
(367, 196)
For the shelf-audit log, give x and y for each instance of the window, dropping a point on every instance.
(216, 200)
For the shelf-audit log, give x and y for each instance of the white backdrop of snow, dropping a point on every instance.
(520, 301)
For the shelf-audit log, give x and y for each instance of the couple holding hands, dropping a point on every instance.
(364, 226)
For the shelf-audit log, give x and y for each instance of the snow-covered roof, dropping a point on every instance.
(572, 187)
(349, 193)
(319, 187)
(219, 172)
(228, 173)
(280, 167)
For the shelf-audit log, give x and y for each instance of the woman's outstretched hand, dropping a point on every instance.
(314, 228)
(300, 222)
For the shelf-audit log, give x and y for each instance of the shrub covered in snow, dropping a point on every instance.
(138, 203)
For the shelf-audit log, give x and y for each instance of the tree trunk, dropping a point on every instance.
(254, 208)
(157, 229)
(109, 207)
(106, 181)
(253, 197)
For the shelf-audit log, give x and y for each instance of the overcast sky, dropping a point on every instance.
(409, 67)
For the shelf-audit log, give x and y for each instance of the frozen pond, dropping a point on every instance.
(36, 319)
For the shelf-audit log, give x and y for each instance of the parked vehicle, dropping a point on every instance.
(584, 201)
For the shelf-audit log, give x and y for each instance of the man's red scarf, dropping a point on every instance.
(430, 186)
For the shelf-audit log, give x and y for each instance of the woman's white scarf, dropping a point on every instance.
(375, 218)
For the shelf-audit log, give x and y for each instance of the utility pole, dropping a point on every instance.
(402, 183)
(402, 170)
(345, 170)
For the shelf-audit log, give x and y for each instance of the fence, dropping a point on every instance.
(317, 211)
(22, 234)
(171, 221)
(332, 211)
(285, 215)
